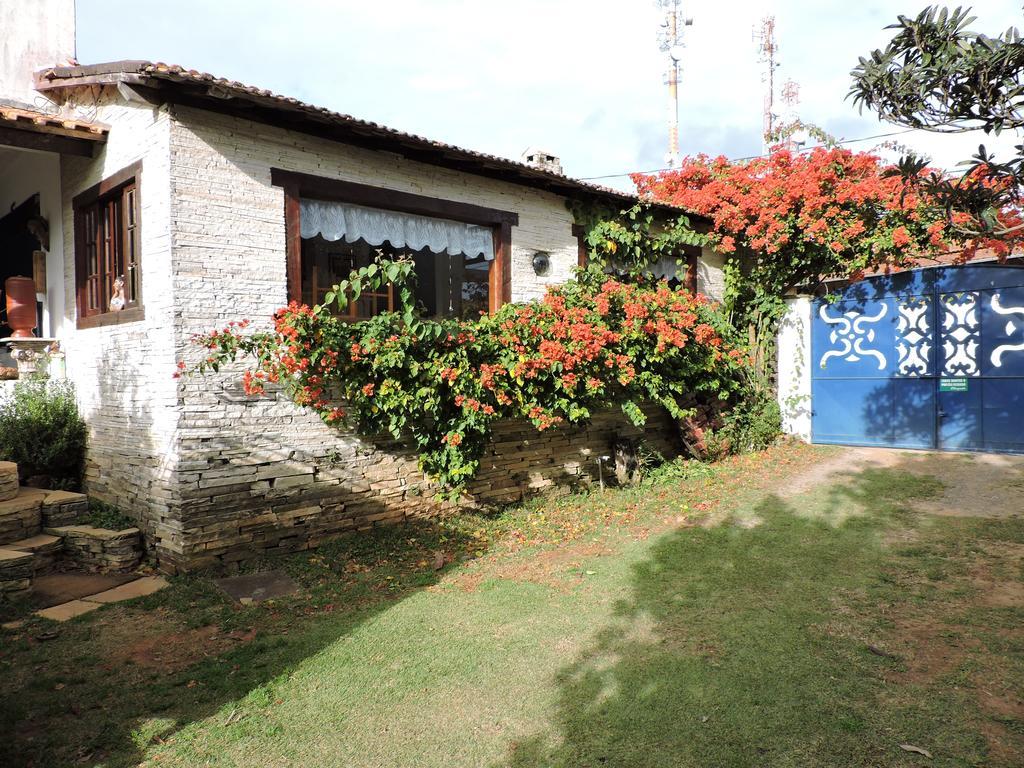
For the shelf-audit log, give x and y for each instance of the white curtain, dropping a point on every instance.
(336, 221)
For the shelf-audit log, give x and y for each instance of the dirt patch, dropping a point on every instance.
(999, 589)
(558, 568)
(929, 649)
(1003, 746)
(975, 484)
(848, 462)
(156, 641)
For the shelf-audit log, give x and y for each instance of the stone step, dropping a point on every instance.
(16, 571)
(64, 508)
(21, 517)
(45, 549)
(100, 549)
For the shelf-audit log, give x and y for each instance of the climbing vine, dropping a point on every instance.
(628, 241)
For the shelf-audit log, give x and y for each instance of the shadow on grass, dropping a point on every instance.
(726, 654)
(79, 699)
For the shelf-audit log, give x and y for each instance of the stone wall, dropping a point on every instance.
(711, 274)
(794, 367)
(265, 495)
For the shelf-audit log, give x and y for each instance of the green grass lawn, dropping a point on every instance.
(822, 628)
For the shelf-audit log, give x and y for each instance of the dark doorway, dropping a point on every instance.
(17, 244)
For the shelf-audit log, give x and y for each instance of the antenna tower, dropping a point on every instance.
(670, 42)
(767, 49)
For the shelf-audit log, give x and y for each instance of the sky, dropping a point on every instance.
(582, 79)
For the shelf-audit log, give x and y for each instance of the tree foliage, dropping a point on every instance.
(937, 74)
(789, 220)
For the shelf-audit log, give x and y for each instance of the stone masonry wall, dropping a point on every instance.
(122, 372)
(268, 495)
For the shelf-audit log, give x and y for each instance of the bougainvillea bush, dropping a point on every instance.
(591, 343)
(804, 216)
(794, 219)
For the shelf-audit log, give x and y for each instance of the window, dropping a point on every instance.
(446, 285)
(325, 264)
(461, 250)
(107, 253)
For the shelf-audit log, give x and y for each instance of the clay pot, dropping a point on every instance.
(21, 306)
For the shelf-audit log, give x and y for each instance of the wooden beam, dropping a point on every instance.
(293, 242)
(47, 142)
(53, 83)
(109, 184)
(390, 199)
(581, 245)
(503, 264)
(692, 260)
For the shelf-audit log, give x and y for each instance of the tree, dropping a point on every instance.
(938, 75)
(799, 218)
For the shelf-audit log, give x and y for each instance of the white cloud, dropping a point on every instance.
(582, 78)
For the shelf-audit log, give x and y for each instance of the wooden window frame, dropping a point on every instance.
(580, 233)
(693, 254)
(299, 185)
(105, 190)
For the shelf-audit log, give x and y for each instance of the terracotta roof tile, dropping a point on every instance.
(33, 117)
(143, 72)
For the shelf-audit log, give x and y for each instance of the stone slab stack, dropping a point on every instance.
(15, 574)
(64, 508)
(101, 550)
(21, 516)
(8, 480)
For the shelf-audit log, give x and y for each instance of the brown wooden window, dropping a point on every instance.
(108, 277)
(447, 285)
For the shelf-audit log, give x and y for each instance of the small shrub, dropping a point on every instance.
(42, 431)
(679, 469)
(752, 424)
(103, 515)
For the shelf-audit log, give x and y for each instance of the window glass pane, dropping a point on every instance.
(446, 286)
(107, 232)
(475, 287)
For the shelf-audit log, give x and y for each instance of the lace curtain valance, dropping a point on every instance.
(336, 221)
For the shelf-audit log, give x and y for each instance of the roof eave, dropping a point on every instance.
(242, 101)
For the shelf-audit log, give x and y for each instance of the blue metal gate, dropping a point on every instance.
(932, 358)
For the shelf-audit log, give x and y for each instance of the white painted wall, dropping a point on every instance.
(794, 368)
(25, 173)
(122, 372)
(33, 34)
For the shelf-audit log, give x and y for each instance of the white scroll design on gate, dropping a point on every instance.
(1011, 329)
(913, 336)
(851, 333)
(961, 334)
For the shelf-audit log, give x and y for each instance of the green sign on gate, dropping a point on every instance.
(953, 385)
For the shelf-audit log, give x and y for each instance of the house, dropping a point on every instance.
(175, 202)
